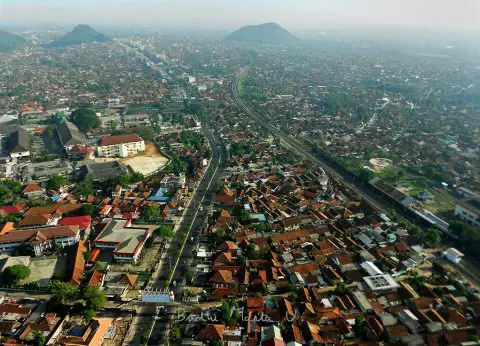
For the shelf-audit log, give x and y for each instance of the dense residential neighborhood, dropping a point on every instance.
(164, 189)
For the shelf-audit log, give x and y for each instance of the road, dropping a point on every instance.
(190, 226)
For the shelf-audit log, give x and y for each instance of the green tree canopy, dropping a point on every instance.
(38, 339)
(230, 314)
(87, 209)
(95, 299)
(85, 119)
(15, 273)
(165, 232)
(88, 314)
(56, 181)
(63, 292)
(151, 212)
(84, 188)
(433, 236)
(175, 333)
(10, 189)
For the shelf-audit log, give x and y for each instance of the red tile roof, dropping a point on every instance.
(79, 264)
(32, 187)
(120, 139)
(211, 332)
(81, 221)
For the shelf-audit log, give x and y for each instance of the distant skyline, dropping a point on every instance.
(438, 15)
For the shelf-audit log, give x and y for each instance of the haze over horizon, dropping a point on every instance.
(230, 14)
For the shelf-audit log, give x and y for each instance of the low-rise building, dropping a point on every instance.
(468, 210)
(69, 135)
(453, 255)
(121, 145)
(15, 140)
(135, 120)
(39, 239)
(125, 240)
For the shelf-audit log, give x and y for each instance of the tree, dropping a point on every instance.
(84, 188)
(359, 327)
(230, 313)
(56, 181)
(365, 174)
(94, 298)
(113, 124)
(175, 332)
(340, 288)
(15, 273)
(87, 209)
(38, 339)
(151, 212)
(85, 119)
(433, 236)
(252, 253)
(146, 133)
(136, 177)
(87, 255)
(165, 232)
(9, 190)
(63, 292)
(89, 314)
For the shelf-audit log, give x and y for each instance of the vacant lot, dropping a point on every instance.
(42, 270)
(148, 162)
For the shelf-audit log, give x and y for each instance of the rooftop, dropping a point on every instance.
(120, 232)
(120, 139)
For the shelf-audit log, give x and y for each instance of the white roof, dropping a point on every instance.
(371, 268)
(455, 252)
(380, 282)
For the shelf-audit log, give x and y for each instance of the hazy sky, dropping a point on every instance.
(229, 14)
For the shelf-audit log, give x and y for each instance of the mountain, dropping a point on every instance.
(10, 42)
(80, 34)
(268, 33)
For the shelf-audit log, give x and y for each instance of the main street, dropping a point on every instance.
(190, 227)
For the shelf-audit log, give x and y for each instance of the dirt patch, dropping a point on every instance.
(152, 150)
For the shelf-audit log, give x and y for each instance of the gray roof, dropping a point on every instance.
(18, 139)
(69, 134)
(103, 170)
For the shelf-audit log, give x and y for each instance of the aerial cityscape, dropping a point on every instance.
(239, 174)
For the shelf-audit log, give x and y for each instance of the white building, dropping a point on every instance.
(121, 145)
(453, 255)
(39, 239)
(468, 210)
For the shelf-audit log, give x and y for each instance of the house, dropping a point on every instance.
(7, 210)
(91, 335)
(125, 240)
(39, 239)
(33, 190)
(80, 152)
(211, 333)
(453, 255)
(468, 210)
(46, 326)
(69, 135)
(121, 145)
